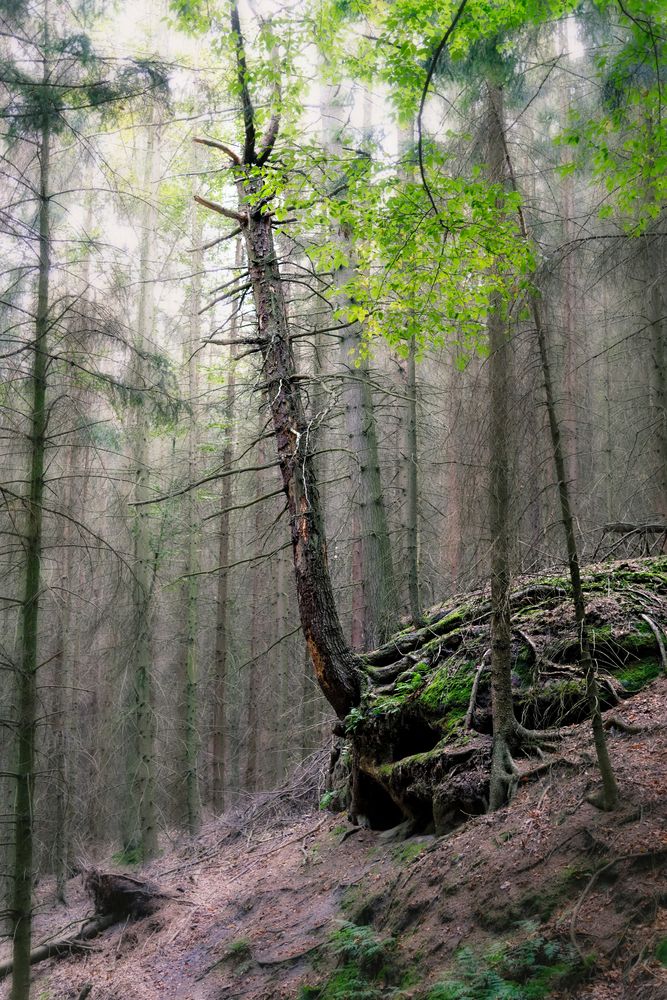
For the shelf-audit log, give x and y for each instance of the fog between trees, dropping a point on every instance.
(429, 218)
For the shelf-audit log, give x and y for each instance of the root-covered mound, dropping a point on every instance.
(547, 898)
(418, 747)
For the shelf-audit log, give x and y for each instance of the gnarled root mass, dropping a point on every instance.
(418, 748)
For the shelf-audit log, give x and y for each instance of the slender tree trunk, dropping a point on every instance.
(567, 287)
(222, 623)
(21, 903)
(609, 795)
(502, 770)
(358, 625)
(372, 563)
(413, 485)
(64, 678)
(190, 673)
(143, 824)
(221, 653)
(252, 780)
(657, 302)
(379, 588)
(406, 149)
(500, 363)
(279, 729)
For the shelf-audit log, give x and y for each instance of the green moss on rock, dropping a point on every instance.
(447, 693)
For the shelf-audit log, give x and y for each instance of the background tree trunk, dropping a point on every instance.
(26, 695)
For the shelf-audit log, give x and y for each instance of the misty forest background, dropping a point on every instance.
(171, 672)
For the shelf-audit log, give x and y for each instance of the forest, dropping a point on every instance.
(333, 494)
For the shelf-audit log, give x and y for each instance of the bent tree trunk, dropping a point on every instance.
(336, 666)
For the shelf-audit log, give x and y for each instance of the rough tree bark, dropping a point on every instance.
(336, 667)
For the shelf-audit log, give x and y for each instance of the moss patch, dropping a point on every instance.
(661, 951)
(447, 693)
(636, 676)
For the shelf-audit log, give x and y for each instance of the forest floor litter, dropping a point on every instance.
(276, 910)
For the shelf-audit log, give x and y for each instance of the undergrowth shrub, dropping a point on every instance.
(364, 966)
(528, 971)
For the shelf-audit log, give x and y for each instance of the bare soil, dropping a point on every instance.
(253, 912)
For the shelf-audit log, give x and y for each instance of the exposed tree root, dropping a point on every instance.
(418, 745)
(613, 721)
(475, 688)
(659, 638)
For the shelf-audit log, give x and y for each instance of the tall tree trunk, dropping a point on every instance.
(26, 699)
(502, 769)
(609, 795)
(279, 729)
(190, 672)
(335, 665)
(567, 287)
(252, 781)
(64, 679)
(379, 589)
(220, 677)
(412, 458)
(500, 362)
(406, 150)
(657, 303)
(143, 824)
(380, 595)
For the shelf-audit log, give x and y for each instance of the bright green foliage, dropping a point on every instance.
(530, 971)
(625, 139)
(406, 33)
(365, 965)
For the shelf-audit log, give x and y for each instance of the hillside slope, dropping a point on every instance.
(549, 897)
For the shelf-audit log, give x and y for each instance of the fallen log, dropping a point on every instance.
(63, 946)
(117, 897)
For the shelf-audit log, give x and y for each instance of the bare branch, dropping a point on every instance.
(214, 144)
(221, 210)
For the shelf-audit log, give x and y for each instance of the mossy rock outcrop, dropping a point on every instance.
(419, 743)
